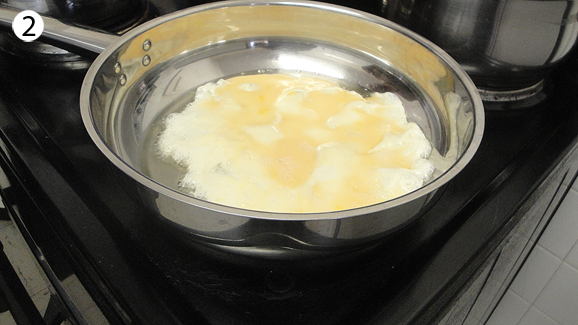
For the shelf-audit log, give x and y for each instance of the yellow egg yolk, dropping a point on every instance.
(283, 143)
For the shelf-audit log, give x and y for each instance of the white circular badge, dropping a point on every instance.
(28, 25)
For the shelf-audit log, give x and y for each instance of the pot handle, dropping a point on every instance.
(79, 40)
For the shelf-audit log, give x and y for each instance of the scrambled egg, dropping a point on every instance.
(283, 143)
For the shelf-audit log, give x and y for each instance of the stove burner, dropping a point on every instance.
(38, 53)
(514, 99)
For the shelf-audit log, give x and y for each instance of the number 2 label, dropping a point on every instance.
(28, 25)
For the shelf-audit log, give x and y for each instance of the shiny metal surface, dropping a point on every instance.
(504, 45)
(64, 35)
(154, 68)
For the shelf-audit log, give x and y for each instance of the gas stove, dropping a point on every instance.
(84, 230)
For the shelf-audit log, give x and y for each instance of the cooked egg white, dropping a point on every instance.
(282, 143)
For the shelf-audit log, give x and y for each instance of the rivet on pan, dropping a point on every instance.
(122, 80)
(146, 45)
(146, 60)
(117, 68)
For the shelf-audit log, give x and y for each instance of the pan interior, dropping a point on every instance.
(169, 87)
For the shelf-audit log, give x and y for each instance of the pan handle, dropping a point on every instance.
(79, 40)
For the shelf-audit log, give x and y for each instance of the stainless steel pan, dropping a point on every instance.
(152, 70)
(505, 46)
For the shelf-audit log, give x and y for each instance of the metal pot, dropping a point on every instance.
(152, 69)
(504, 45)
